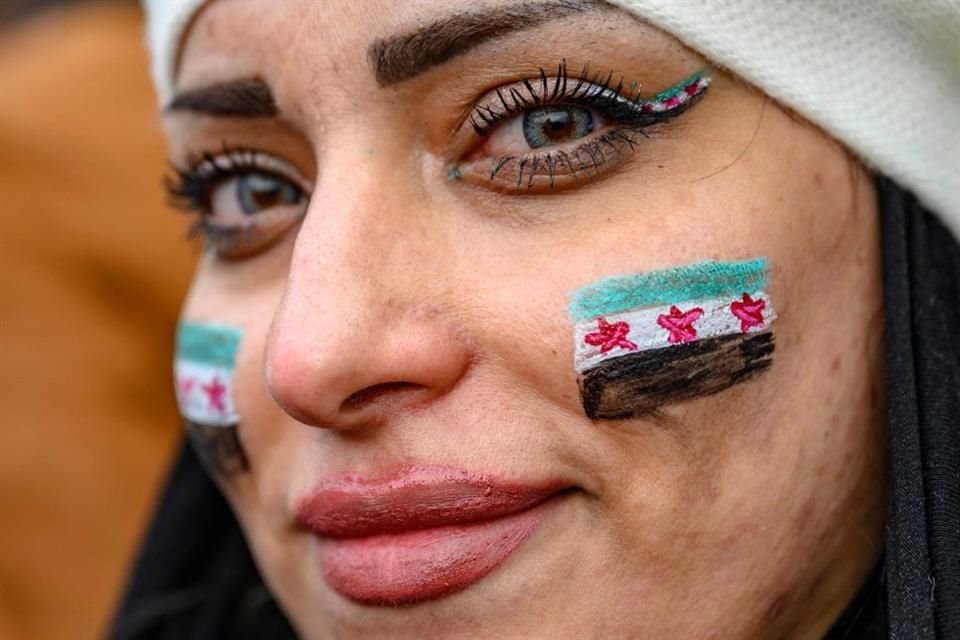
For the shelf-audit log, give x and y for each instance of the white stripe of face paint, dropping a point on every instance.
(646, 333)
(205, 393)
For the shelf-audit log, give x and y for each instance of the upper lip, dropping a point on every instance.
(414, 498)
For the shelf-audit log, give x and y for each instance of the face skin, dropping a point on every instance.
(418, 316)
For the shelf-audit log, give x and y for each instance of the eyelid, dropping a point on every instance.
(588, 90)
(234, 161)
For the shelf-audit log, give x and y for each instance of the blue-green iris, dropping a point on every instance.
(547, 126)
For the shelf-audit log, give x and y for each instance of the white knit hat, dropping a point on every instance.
(882, 76)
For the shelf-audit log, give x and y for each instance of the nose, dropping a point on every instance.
(359, 337)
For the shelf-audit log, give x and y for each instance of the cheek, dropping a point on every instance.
(264, 425)
(242, 296)
(726, 479)
(792, 461)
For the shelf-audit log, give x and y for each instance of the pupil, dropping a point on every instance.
(557, 124)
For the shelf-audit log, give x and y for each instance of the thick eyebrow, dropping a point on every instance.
(239, 99)
(398, 58)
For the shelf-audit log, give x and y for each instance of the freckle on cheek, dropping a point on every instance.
(777, 607)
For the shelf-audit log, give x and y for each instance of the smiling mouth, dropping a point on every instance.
(420, 534)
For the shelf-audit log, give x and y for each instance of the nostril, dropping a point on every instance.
(386, 391)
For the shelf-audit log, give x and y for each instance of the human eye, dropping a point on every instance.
(554, 131)
(244, 200)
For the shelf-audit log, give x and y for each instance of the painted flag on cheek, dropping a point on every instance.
(203, 370)
(650, 339)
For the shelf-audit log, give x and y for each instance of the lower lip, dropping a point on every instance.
(409, 567)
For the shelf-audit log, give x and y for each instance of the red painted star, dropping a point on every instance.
(215, 393)
(186, 385)
(609, 336)
(749, 311)
(680, 324)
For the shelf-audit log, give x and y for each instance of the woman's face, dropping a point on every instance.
(397, 245)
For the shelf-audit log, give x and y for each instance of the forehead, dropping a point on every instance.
(312, 42)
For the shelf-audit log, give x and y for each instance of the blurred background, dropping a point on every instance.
(93, 265)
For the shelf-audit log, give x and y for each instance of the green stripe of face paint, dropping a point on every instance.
(677, 88)
(208, 344)
(698, 281)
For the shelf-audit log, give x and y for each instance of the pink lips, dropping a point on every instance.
(423, 533)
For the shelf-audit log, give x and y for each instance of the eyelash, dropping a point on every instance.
(189, 189)
(632, 113)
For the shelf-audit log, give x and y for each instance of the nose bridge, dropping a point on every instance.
(358, 330)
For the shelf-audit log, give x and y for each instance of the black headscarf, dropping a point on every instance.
(922, 298)
(195, 578)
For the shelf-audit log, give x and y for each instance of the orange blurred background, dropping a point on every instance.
(93, 266)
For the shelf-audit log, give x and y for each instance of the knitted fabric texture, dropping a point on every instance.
(167, 20)
(882, 76)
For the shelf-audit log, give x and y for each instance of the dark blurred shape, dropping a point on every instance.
(92, 270)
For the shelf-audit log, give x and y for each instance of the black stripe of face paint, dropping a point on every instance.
(638, 384)
(219, 448)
